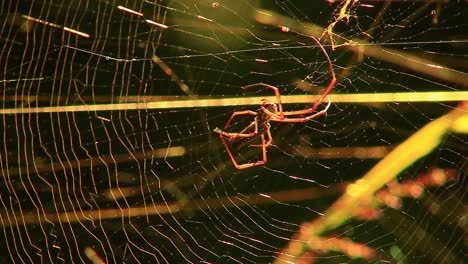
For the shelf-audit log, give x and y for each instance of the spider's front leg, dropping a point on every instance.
(245, 133)
(232, 135)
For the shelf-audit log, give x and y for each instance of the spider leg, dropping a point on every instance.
(246, 165)
(270, 139)
(234, 134)
(332, 72)
(246, 112)
(229, 152)
(281, 115)
(242, 134)
(264, 160)
(264, 155)
(303, 119)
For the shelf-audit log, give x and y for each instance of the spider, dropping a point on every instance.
(270, 112)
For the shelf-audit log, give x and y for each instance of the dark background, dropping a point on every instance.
(53, 163)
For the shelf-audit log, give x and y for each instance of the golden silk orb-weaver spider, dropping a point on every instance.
(271, 112)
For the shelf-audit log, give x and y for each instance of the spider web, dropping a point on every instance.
(109, 154)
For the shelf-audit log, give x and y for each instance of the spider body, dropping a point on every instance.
(259, 126)
(270, 112)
